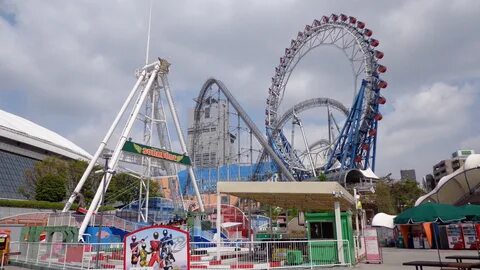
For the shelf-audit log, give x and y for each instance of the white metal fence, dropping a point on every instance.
(109, 220)
(271, 254)
(235, 255)
(359, 244)
(69, 255)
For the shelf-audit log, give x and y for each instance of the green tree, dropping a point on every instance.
(44, 168)
(124, 188)
(51, 188)
(322, 177)
(75, 170)
(383, 198)
(69, 170)
(405, 193)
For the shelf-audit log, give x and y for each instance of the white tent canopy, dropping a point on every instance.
(369, 174)
(456, 187)
(383, 220)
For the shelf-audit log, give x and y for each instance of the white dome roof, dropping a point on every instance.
(22, 130)
(472, 161)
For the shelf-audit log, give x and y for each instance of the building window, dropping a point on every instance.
(207, 112)
(322, 230)
(13, 169)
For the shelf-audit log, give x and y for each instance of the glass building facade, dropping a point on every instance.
(13, 170)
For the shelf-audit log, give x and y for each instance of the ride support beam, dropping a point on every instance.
(100, 149)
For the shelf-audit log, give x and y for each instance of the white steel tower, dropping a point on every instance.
(152, 81)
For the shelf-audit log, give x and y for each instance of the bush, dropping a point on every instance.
(45, 205)
(34, 204)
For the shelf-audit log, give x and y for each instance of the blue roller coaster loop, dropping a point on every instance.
(356, 145)
(286, 152)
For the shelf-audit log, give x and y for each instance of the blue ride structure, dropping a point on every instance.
(355, 146)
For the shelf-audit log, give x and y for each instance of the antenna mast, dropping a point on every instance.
(149, 31)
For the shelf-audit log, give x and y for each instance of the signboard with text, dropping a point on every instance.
(373, 253)
(148, 151)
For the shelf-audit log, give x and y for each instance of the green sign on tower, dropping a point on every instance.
(149, 151)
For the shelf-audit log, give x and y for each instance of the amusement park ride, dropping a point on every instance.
(355, 145)
(348, 147)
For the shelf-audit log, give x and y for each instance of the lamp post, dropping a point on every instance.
(106, 170)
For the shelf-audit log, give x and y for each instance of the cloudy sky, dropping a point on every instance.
(68, 65)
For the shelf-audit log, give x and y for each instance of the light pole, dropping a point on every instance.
(106, 156)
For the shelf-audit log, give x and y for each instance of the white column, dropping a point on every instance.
(219, 222)
(357, 225)
(338, 228)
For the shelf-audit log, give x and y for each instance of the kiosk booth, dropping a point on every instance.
(326, 205)
(321, 226)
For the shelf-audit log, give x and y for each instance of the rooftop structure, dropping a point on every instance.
(448, 166)
(22, 144)
(23, 131)
(408, 174)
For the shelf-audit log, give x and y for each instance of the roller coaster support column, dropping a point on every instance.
(180, 133)
(87, 172)
(284, 170)
(118, 149)
(299, 123)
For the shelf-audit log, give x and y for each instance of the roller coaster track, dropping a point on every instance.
(298, 108)
(244, 116)
(309, 104)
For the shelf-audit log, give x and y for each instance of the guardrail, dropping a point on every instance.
(233, 255)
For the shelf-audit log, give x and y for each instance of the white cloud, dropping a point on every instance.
(69, 65)
(424, 127)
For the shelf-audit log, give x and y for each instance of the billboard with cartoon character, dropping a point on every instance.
(156, 248)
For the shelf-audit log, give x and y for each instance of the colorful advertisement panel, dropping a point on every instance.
(156, 248)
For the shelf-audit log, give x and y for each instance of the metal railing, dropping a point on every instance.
(237, 255)
(271, 254)
(109, 220)
(69, 255)
(359, 244)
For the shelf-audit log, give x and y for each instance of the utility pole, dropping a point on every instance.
(102, 201)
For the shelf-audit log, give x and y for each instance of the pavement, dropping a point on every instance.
(394, 257)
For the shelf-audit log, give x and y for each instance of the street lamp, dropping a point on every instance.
(106, 170)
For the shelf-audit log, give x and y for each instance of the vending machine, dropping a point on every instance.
(469, 235)
(455, 236)
(442, 237)
(477, 242)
